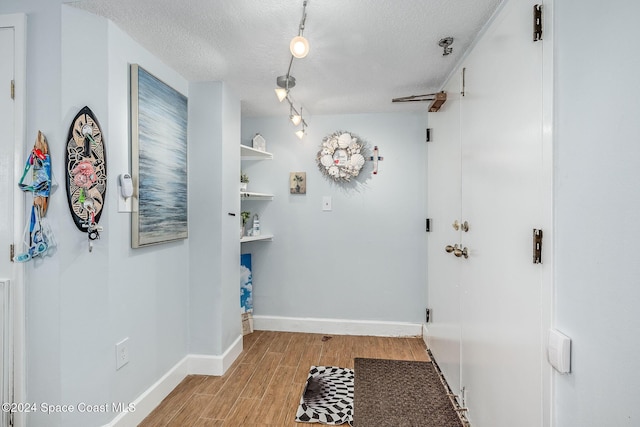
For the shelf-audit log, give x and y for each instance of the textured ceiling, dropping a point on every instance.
(363, 52)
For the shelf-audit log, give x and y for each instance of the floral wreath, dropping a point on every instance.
(341, 156)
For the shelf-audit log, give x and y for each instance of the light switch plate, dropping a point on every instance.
(326, 203)
(559, 351)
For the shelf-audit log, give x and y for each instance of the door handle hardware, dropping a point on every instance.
(464, 252)
(457, 250)
(460, 226)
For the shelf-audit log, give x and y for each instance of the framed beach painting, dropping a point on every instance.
(158, 160)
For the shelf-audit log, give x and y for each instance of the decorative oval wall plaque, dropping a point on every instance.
(86, 174)
(341, 158)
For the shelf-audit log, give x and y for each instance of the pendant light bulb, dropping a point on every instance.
(296, 119)
(281, 93)
(299, 47)
(300, 133)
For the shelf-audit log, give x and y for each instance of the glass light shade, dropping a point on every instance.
(299, 47)
(281, 93)
(300, 133)
(296, 119)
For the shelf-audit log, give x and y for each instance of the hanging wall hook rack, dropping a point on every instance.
(438, 99)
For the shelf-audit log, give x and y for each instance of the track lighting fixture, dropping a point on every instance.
(284, 84)
(281, 93)
(299, 48)
(296, 118)
(301, 133)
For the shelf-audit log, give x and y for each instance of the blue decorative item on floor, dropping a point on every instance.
(246, 293)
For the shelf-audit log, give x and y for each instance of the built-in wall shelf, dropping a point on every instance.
(249, 195)
(246, 239)
(250, 153)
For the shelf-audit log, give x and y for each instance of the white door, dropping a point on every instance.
(12, 144)
(7, 188)
(499, 289)
(444, 207)
(6, 150)
(501, 134)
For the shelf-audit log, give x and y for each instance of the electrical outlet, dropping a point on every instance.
(122, 353)
(124, 205)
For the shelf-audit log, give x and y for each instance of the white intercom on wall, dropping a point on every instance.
(126, 191)
(126, 185)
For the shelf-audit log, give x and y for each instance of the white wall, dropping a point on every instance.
(204, 197)
(214, 135)
(43, 299)
(84, 278)
(148, 287)
(79, 304)
(229, 284)
(364, 260)
(597, 200)
(114, 292)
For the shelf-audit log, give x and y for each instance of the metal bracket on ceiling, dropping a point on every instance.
(445, 44)
(438, 99)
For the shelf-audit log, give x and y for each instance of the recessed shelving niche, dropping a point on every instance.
(250, 153)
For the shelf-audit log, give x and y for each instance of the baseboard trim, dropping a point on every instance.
(337, 326)
(192, 364)
(201, 364)
(150, 398)
(425, 334)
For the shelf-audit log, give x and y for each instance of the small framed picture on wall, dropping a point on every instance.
(298, 183)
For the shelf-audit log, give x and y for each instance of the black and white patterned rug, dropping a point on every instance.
(327, 397)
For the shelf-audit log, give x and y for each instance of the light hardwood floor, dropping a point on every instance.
(263, 386)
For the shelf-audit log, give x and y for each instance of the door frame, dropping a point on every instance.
(547, 303)
(18, 22)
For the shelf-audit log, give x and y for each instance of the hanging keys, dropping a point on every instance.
(93, 229)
